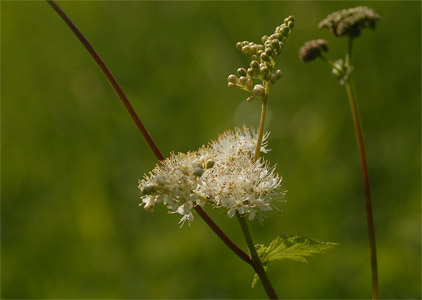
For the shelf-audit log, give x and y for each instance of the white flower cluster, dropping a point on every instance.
(223, 174)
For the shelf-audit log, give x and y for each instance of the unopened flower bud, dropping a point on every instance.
(266, 76)
(258, 90)
(241, 72)
(232, 78)
(249, 83)
(253, 48)
(279, 73)
(231, 84)
(198, 172)
(255, 64)
(250, 98)
(264, 38)
(265, 71)
(265, 57)
(273, 78)
(246, 49)
(197, 164)
(269, 51)
(242, 80)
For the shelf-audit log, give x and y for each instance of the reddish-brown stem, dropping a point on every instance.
(141, 126)
(111, 79)
(221, 234)
(365, 178)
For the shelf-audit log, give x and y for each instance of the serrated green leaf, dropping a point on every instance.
(292, 247)
(289, 247)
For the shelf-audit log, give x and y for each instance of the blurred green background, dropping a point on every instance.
(71, 157)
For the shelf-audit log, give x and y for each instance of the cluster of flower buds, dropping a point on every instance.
(263, 59)
(312, 49)
(350, 21)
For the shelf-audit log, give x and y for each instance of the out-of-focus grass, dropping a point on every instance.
(71, 157)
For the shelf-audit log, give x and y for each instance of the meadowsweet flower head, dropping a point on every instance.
(223, 175)
(350, 21)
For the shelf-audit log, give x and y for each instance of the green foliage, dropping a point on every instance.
(290, 247)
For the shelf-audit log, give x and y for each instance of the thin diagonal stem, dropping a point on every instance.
(221, 234)
(111, 79)
(365, 177)
(140, 125)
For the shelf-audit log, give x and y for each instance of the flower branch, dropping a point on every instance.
(140, 125)
(350, 22)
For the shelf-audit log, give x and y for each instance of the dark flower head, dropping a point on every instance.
(350, 21)
(312, 49)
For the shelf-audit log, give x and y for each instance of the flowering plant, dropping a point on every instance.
(228, 173)
(349, 22)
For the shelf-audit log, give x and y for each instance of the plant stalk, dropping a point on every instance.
(257, 264)
(112, 80)
(223, 236)
(364, 168)
(262, 122)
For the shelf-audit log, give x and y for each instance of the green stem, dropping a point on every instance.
(262, 121)
(257, 264)
(329, 62)
(364, 167)
(349, 51)
(256, 261)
